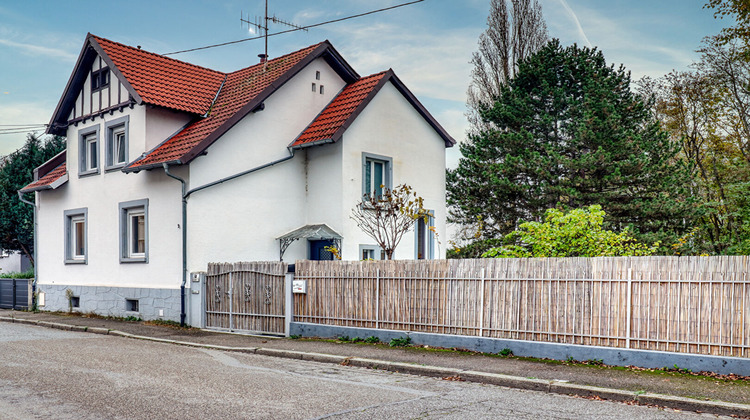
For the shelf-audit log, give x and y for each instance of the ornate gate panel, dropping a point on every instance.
(246, 297)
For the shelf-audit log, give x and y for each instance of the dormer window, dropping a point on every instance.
(100, 79)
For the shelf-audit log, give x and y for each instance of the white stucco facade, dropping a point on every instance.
(236, 220)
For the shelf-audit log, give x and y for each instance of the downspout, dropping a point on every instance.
(185, 195)
(184, 243)
(36, 274)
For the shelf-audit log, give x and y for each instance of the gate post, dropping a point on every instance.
(288, 299)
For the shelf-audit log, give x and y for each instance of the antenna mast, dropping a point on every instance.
(261, 23)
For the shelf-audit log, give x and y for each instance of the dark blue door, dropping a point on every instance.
(318, 251)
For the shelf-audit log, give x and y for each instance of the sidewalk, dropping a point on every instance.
(673, 390)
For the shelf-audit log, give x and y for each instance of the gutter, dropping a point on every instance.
(185, 195)
(36, 274)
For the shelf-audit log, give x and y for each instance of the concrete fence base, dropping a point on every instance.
(608, 355)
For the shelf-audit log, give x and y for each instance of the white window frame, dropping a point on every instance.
(128, 211)
(113, 129)
(428, 236)
(377, 252)
(86, 137)
(72, 218)
(368, 162)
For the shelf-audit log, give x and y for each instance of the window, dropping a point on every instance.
(314, 87)
(321, 89)
(317, 75)
(76, 246)
(371, 252)
(99, 79)
(425, 237)
(376, 174)
(88, 151)
(131, 305)
(117, 143)
(134, 231)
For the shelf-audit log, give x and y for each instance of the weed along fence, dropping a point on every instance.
(676, 304)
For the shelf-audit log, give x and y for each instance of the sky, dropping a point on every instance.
(428, 44)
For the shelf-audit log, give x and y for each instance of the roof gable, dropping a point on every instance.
(149, 78)
(243, 92)
(329, 126)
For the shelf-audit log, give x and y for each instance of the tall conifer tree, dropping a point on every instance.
(566, 131)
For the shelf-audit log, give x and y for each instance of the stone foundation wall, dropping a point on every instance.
(112, 301)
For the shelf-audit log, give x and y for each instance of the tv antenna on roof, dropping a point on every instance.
(261, 23)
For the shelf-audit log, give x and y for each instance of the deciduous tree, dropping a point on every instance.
(387, 216)
(17, 171)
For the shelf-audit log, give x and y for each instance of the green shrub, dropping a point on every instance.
(400, 342)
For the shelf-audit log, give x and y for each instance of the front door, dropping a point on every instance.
(318, 251)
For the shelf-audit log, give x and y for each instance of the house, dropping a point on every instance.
(13, 262)
(170, 166)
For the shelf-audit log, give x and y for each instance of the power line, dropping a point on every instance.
(295, 29)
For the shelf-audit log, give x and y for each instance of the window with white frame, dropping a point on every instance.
(76, 246)
(88, 151)
(424, 236)
(134, 231)
(99, 79)
(376, 174)
(116, 144)
(371, 252)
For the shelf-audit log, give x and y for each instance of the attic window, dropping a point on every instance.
(100, 79)
(317, 75)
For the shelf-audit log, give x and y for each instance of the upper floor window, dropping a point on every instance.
(376, 174)
(116, 145)
(99, 79)
(88, 151)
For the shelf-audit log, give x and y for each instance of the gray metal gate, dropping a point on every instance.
(14, 293)
(246, 297)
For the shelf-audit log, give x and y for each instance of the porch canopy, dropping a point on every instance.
(309, 232)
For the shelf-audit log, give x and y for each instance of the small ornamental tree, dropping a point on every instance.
(577, 233)
(386, 217)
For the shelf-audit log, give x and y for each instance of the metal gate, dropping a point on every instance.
(14, 293)
(246, 297)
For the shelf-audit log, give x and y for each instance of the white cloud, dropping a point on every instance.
(575, 20)
(431, 63)
(40, 50)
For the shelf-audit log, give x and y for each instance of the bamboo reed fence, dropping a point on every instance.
(679, 304)
(246, 296)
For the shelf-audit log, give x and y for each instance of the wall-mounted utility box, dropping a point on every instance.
(299, 286)
(198, 277)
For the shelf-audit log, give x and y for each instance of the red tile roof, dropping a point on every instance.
(164, 81)
(239, 91)
(340, 112)
(44, 183)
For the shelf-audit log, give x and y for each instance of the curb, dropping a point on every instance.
(548, 386)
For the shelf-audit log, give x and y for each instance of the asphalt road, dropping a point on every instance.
(47, 373)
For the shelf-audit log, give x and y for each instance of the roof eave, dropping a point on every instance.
(312, 143)
(447, 138)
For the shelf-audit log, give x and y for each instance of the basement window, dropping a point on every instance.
(131, 305)
(75, 301)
